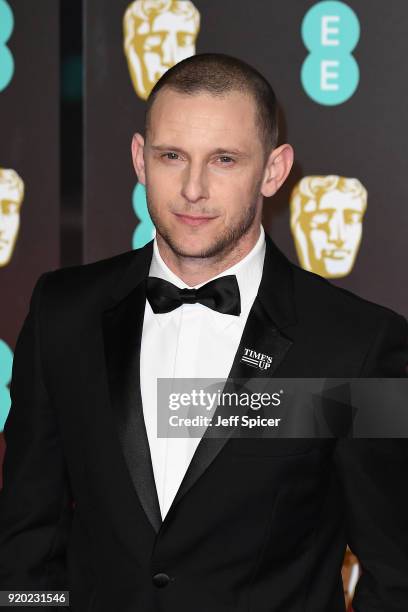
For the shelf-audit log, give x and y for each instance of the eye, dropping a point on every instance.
(170, 155)
(319, 220)
(352, 217)
(185, 39)
(152, 42)
(9, 207)
(226, 158)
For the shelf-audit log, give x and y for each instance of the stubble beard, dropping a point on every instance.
(221, 246)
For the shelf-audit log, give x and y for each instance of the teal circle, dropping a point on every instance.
(346, 82)
(6, 67)
(6, 58)
(145, 230)
(6, 21)
(6, 363)
(348, 27)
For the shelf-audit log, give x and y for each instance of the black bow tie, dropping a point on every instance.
(221, 294)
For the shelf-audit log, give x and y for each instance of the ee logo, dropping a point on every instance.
(6, 58)
(330, 73)
(6, 363)
(145, 230)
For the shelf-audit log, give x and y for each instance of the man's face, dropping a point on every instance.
(10, 201)
(160, 43)
(203, 158)
(333, 229)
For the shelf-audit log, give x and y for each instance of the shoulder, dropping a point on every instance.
(335, 311)
(330, 301)
(90, 283)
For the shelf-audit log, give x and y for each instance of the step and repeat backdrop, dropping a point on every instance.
(336, 70)
(29, 166)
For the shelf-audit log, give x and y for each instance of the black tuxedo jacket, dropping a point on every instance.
(257, 525)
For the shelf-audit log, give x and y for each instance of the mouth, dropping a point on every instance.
(194, 219)
(336, 254)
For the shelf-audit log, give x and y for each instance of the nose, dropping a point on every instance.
(337, 226)
(194, 186)
(169, 48)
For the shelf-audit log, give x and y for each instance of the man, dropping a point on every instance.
(230, 524)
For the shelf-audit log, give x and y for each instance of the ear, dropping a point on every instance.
(277, 168)
(137, 156)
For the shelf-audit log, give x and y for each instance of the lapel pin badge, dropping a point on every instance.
(256, 360)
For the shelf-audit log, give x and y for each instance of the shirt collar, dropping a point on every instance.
(248, 272)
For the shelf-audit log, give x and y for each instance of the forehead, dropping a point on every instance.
(203, 118)
(171, 21)
(167, 22)
(341, 200)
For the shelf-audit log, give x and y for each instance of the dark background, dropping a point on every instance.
(41, 139)
(30, 145)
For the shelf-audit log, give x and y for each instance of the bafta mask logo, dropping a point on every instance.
(326, 220)
(11, 198)
(157, 35)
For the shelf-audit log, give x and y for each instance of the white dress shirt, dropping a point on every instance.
(191, 341)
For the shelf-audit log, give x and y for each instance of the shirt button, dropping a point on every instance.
(161, 580)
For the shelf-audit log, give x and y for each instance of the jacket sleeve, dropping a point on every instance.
(35, 501)
(374, 477)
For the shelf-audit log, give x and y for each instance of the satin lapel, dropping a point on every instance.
(272, 311)
(122, 326)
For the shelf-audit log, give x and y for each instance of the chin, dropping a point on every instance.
(191, 250)
(193, 245)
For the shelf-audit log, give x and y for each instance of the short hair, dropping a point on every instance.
(218, 74)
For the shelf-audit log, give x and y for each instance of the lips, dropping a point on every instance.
(193, 220)
(336, 254)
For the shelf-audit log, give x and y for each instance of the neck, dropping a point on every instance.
(196, 270)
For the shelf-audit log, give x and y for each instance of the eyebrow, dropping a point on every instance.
(218, 151)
